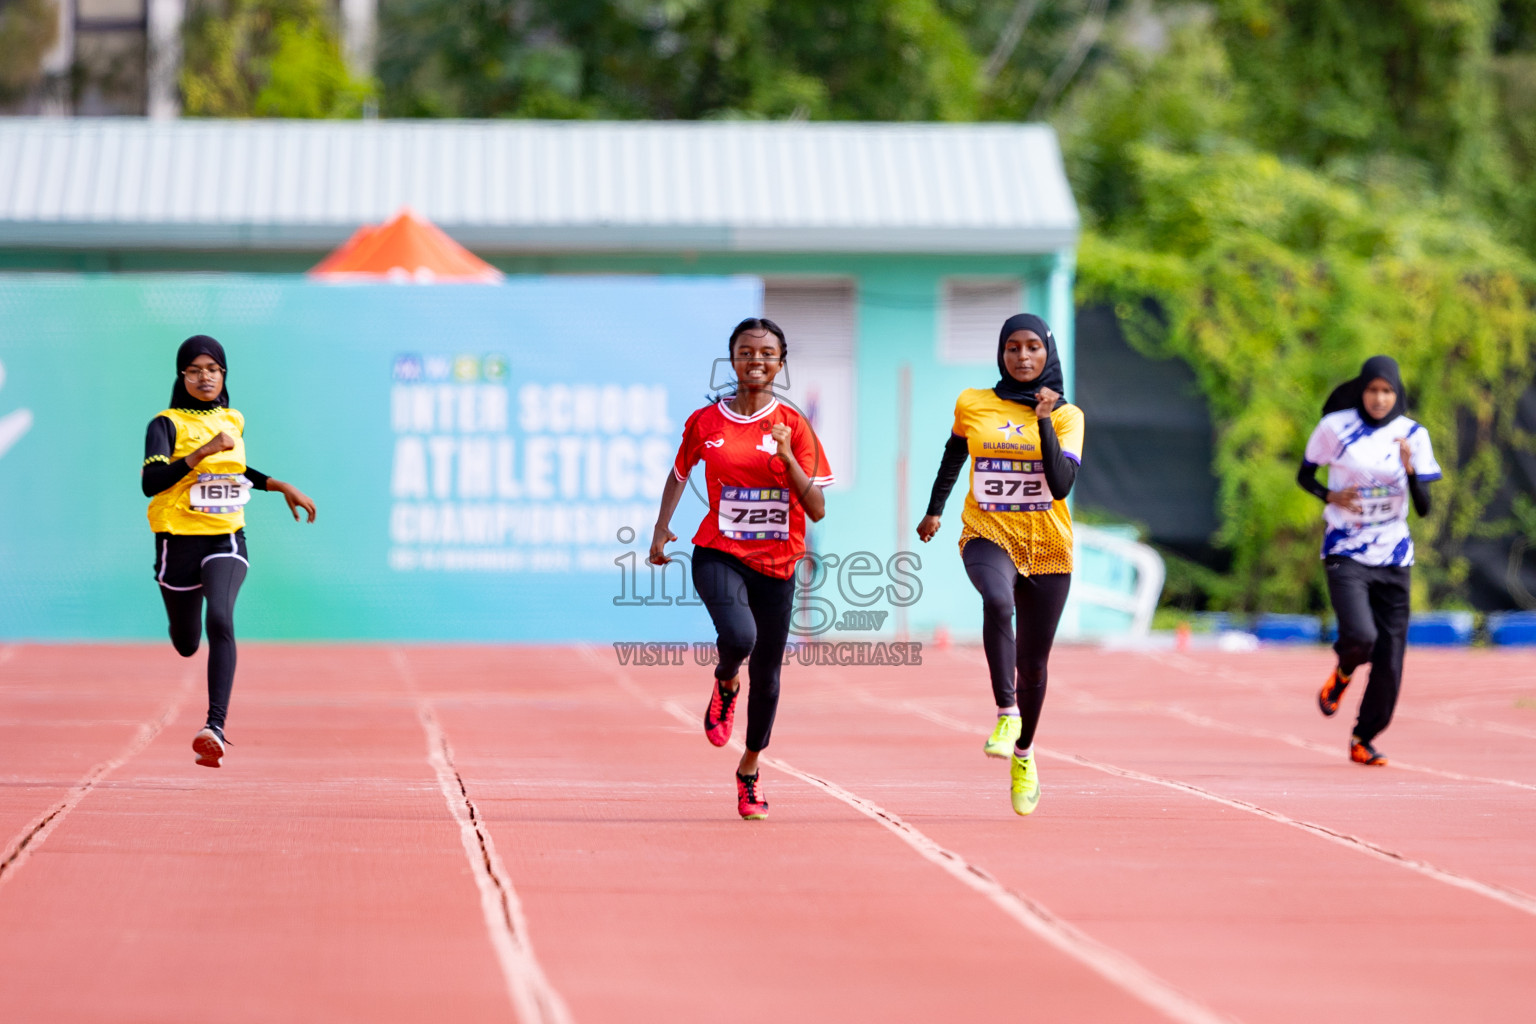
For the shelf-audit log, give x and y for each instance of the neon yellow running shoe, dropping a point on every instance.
(1000, 743)
(1025, 787)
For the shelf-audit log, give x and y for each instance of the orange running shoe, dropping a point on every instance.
(1362, 752)
(720, 713)
(1328, 696)
(749, 797)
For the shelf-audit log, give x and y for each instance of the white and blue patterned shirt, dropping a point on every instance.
(1366, 458)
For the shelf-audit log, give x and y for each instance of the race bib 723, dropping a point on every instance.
(754, 513)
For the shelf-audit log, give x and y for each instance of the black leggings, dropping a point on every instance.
(751, 614)
(1039, 600)
(221, 579)
(1371, 602)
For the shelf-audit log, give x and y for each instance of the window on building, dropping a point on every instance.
(110, 56)
(818, 317)
(970, 314)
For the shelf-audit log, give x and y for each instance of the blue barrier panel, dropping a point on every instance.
(1216, 622)
(1432, 628)
(1512, 629)
(1443, 629)
(1297, 629)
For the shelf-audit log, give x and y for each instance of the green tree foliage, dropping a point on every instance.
(1338, 79)
(1274, 281)
(27, 29)
(862, 59)
(893, 60)
(266, 58)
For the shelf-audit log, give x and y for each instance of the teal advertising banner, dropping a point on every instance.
(486, 460)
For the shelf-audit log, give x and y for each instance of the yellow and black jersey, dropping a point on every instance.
(210, 500)
(1008, 502)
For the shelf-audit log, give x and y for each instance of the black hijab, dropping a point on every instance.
(198, 345)
(1011, 390)
(1351, 394)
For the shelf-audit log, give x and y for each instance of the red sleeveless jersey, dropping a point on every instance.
(753, 512)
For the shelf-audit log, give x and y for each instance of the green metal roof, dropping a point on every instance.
(536, 186)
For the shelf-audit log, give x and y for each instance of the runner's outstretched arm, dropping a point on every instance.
(671, 494)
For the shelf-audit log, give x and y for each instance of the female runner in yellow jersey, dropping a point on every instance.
(198, 483)
(1025, 445)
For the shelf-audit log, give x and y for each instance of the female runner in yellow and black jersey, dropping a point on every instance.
(1025, 445)
(198, 483)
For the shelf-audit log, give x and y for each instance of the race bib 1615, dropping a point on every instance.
(218, 493)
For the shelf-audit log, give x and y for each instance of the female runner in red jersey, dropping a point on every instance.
(765, 470)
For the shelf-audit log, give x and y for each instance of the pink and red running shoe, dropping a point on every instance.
(721, 711)
(750, 801)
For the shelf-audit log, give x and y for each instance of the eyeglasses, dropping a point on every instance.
(211, 372)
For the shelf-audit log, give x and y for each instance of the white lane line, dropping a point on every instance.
(533, 998)
(26, 842)
(1437, 714)
(1296, 741)
(1509, 897)
(1110, 964)
(1206, 722)
(1449, 718)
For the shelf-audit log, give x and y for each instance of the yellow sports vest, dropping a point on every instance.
(171, 511)
(1007, 501)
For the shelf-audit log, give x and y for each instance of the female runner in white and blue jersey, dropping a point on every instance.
(1377, 459)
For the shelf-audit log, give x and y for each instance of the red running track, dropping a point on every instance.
(537, 834)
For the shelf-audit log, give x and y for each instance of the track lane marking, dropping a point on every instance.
(1451, 718)
(534, 999)
(1207, 722)
(1509, 897)
(26, 842)
(1436, 715)
(1110, 964)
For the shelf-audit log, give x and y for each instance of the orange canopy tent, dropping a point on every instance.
(406, 248)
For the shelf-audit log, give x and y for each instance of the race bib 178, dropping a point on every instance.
(1010, 485)
(754, 513)
(1378, 506)
(218, 493)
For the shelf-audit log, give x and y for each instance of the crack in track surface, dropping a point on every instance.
(533, 997)
(25, 843)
